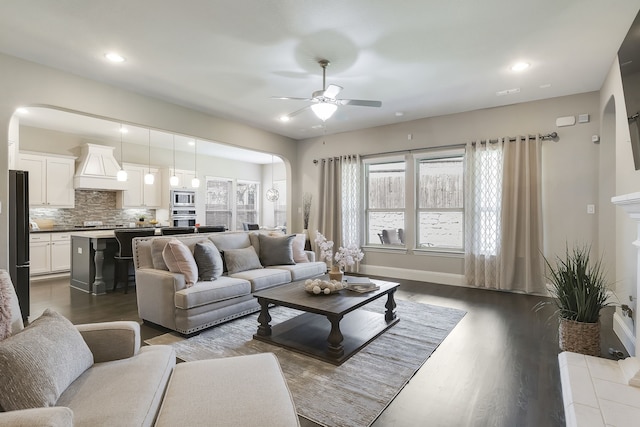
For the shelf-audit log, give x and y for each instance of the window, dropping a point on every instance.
(385, 199)
(247, 197)
(230, 208)
(218, 202)
(280, 205)
(440, 202)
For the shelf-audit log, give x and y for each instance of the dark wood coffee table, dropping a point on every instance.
(332, 328)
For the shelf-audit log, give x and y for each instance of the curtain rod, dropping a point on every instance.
(550, 135)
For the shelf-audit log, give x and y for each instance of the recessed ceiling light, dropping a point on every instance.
(22, 110)
(546, 85)
(114, 57)
(285, 118)
(124, 130)
(191, 143)
(520, 66)
(399, 113)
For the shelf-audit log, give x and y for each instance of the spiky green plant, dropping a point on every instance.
(578, 286)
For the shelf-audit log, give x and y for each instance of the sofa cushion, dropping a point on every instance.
(304, 270)
(231, 240)
(179, 259)
(210, 292)
(299, 255)
(125, 392)
(260, 395)
(38, 363)
(276, 250)
(238, 260)
(264, 278)
(209, 260)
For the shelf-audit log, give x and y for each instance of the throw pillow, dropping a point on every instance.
(208, 259)
(38, 363)
(6, 315)
(157, 247)
(238, 260)
(179, 259)
(276, 250)
(299, 255)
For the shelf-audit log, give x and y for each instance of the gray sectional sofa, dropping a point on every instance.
(57, 374)
(168, 298)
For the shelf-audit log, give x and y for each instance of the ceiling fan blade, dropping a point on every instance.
(332, 91)
(291, 98)
(360, 102)
(295, 113)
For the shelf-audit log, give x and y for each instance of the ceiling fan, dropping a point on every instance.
(324, 102)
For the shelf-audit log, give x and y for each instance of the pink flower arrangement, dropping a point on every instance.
(345, 256)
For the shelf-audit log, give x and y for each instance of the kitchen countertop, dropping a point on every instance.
(66, 229)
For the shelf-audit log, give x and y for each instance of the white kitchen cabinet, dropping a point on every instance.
(138, 194)
(49, 253)
(60, 252)
(50, 180)
(39, 253)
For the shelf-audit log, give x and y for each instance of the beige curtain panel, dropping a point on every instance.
(503, 215)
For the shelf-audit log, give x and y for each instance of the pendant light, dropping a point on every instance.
(195, 182)
(173, 180)
(272, 193)
(122, 174)
(149, 178)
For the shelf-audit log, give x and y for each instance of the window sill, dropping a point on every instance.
(387, 249)
(438, 252)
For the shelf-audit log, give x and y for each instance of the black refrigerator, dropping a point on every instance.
(19, 237)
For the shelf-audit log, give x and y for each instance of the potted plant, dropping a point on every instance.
(580, 290)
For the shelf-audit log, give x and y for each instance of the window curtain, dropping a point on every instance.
(503, 215)
(521, 238)
(339, 207)
(483, 184)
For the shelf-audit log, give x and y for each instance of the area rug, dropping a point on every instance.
(353, 394)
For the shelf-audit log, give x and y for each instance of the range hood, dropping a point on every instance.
(97, 169)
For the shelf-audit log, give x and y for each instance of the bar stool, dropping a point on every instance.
(125, 254)
(168, 231)
(211, 229)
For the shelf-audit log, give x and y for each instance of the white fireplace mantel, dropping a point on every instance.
(631, 204)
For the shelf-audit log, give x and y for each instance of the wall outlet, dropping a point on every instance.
(80, 250)
(591, 209)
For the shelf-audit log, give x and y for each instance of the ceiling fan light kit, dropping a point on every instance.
(324, 102)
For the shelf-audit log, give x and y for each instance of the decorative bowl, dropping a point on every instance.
(322, 287)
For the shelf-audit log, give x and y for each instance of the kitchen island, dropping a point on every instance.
(92, 263)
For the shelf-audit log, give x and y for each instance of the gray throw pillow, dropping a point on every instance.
(238, 260)
(38, 363)
(208, 259)
(276, 250)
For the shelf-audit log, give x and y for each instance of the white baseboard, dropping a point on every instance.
(419, 275)
(625, 334)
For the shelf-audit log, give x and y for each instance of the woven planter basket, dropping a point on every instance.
(580, 337)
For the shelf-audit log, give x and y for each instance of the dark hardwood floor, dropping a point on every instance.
(498, 367)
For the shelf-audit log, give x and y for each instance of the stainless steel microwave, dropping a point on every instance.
(183, 198)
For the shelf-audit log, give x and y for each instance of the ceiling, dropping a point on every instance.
(420, 58)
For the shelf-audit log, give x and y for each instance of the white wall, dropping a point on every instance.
(24, 83)
(570, 171)
(615, 131)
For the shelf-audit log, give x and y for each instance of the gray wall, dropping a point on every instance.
(570, 171)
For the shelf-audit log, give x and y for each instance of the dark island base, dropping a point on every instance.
(307, 334)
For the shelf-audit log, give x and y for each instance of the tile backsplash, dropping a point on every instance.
(92, 206)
